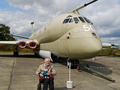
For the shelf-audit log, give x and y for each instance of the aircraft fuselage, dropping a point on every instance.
(69, 35)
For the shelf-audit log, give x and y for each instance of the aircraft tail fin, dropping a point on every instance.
(32, 31)
(32, 27)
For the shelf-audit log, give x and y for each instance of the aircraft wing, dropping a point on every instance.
(32, 44)
(8, 43)
(17, 36)
(107, 45)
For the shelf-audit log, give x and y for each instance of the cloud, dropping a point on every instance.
(111, 40)
(104, 14)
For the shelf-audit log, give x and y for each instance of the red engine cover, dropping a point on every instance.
(22, 44)
(32, 45)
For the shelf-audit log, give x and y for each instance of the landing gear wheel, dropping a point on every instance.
(15, 54)
(74, 63)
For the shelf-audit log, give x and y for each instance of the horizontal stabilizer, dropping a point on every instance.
(107, 45)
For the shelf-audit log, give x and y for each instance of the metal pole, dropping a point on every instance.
(69, 83)
(69, 71)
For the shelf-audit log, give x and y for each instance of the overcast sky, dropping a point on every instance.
(18, 14)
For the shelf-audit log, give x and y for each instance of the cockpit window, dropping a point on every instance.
(82, 19)
(66, 20)
(71, 20)
(76, 19)
(94, 34)
(69, 16)
(90, 21)
(86, 20)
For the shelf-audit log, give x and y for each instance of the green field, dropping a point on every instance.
(109, 51)
(8, 49)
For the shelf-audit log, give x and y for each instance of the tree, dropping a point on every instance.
(5, 33)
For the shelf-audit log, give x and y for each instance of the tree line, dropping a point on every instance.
(5, 33)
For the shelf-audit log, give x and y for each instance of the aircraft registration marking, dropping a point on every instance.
(88, 28)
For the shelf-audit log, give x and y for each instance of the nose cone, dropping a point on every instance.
(94, 48)
(85, 48)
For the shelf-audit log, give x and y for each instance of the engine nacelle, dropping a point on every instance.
(32, 44)
(45, 54)
(22, 44)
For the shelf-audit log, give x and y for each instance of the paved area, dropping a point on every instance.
(18, 73)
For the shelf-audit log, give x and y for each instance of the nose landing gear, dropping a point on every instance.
(74, 63)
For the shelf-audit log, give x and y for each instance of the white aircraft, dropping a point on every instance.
(69, 35)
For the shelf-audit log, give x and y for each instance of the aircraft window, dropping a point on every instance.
(76, 19)
(71, 20)
(69, 16)
(90, 21)
(66, 20)
(86, 20)
(81, 19)
(94, 34)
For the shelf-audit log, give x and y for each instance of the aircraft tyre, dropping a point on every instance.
(15, 54)
(74, 63)
(37, 55)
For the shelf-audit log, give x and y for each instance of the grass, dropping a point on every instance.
(9, 49)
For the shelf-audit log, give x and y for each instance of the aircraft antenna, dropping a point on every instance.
(32, 27)
(86, 4)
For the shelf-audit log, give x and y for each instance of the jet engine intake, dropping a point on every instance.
(22, 44)
(32, 44)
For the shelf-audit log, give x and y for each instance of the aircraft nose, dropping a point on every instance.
(95, 46)
(85, 48)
